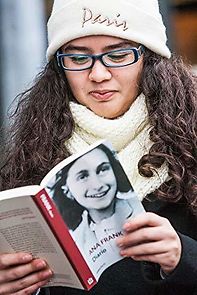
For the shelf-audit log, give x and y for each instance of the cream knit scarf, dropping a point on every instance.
(129, 135)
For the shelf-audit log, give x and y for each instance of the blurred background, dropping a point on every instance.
(23, 41)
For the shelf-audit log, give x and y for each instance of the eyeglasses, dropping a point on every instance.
(113, 59)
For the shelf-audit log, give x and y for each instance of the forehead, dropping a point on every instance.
(99, 42)
(90, 160)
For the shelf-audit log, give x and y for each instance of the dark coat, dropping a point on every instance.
(128, 277)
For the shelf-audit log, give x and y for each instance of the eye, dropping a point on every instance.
(82, 176)
(122, 57)
(79, 59)
(118, 56)
(103, 168)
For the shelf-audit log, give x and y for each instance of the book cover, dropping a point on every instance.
(83, 203)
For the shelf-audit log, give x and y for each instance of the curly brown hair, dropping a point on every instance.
(42, 122)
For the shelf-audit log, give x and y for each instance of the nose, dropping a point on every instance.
(99, 72)
(95, 185)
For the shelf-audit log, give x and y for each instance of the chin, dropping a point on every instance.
(108, 115)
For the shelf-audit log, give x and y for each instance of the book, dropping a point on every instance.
(73, 218)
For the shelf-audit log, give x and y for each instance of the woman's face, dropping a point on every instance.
(91, 180)
(108, 92)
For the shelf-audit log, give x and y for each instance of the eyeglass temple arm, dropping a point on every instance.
(57, 58)
(141, 50)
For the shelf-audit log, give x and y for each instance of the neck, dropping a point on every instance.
(97, 215)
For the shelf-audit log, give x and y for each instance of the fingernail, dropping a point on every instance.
(122, 253)
(126, 226)
(119, 244)
(41, 263)
(48, 272)
(27, 257)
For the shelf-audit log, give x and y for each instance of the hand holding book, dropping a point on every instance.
(72, 220)
(21, 272)
(150, 237)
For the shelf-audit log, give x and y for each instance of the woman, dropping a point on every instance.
(95, 198)
(111, 75)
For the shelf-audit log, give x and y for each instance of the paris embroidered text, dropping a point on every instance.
(89, 17)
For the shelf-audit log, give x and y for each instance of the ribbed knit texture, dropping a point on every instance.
(129, 135)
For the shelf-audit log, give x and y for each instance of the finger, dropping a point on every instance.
(157, 258)
(142, 235)
(144, 220)
(7, 260)
(153, 248)
(167, 253)
(32, 289)
(20, 271)
(26, 282)
(166, 261)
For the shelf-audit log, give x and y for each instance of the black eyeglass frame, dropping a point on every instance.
(137, 54)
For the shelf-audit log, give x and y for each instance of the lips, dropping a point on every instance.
(102, 95)
(98, 195)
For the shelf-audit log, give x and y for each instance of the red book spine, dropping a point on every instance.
(61, 232)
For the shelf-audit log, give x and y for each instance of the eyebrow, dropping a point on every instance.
(82, 171)
(109, 47)
(77, 48)
(119, 45)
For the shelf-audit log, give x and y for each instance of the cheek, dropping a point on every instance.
(132, 81)
(112, 181)
(75, 190)
(78, 88)
(133, 77)
(72, 83)
(128, 78)
(76, 81)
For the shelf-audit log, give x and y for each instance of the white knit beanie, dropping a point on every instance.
(136, 20)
